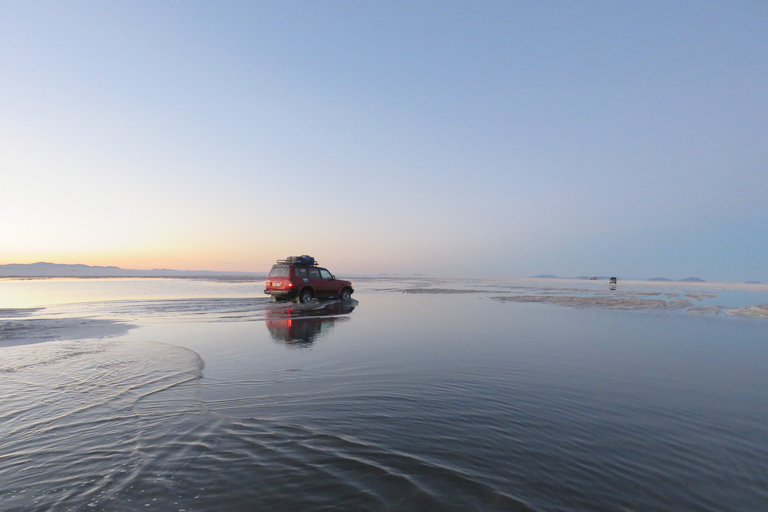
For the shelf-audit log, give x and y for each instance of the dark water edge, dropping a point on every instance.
(406, 403)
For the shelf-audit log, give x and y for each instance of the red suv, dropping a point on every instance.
(300, 277)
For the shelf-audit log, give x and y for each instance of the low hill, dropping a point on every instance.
(44, 269)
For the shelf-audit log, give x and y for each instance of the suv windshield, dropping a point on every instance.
(278, 271)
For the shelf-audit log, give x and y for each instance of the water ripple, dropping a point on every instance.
(119, 426)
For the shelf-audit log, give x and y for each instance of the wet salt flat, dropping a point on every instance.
(420, 394)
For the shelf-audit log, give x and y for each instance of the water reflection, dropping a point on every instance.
(298, 326)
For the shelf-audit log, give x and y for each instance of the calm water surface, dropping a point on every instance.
(205, 396)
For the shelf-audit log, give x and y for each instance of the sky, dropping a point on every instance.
(446, 138)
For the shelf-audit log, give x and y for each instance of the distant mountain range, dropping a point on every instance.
(43, 269)
(605, 278)
(687, 279)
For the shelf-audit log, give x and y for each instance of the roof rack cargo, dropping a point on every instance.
(299, 260)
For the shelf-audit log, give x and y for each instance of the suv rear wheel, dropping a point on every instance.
(305, 296)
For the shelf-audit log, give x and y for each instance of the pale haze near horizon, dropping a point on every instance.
(443, 138)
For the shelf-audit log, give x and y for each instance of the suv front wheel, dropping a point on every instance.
(346, 294)
(305, 295)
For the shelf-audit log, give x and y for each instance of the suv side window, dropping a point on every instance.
(325, 274)
(300, 271)
(314, 273)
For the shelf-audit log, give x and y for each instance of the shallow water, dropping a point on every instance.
(395, 401)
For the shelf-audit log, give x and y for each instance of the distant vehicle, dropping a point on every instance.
(299, 277)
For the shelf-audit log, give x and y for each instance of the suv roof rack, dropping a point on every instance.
(286, 262)
(304, 260)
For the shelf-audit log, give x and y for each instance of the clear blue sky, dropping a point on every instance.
(445, 138)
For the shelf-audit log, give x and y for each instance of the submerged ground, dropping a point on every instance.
(421, 394)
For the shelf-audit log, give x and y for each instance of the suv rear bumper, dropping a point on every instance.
(282, 294)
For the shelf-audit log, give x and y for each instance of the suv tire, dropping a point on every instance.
(346, 294)
(305, 295)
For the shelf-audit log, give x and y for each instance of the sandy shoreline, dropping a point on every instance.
(760, 311)
(29, 331)
(630, 295)
(600, 302)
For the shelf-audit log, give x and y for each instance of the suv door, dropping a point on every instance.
(327, 282)
(315, 281)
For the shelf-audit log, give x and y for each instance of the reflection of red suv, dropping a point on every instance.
(299, 276)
